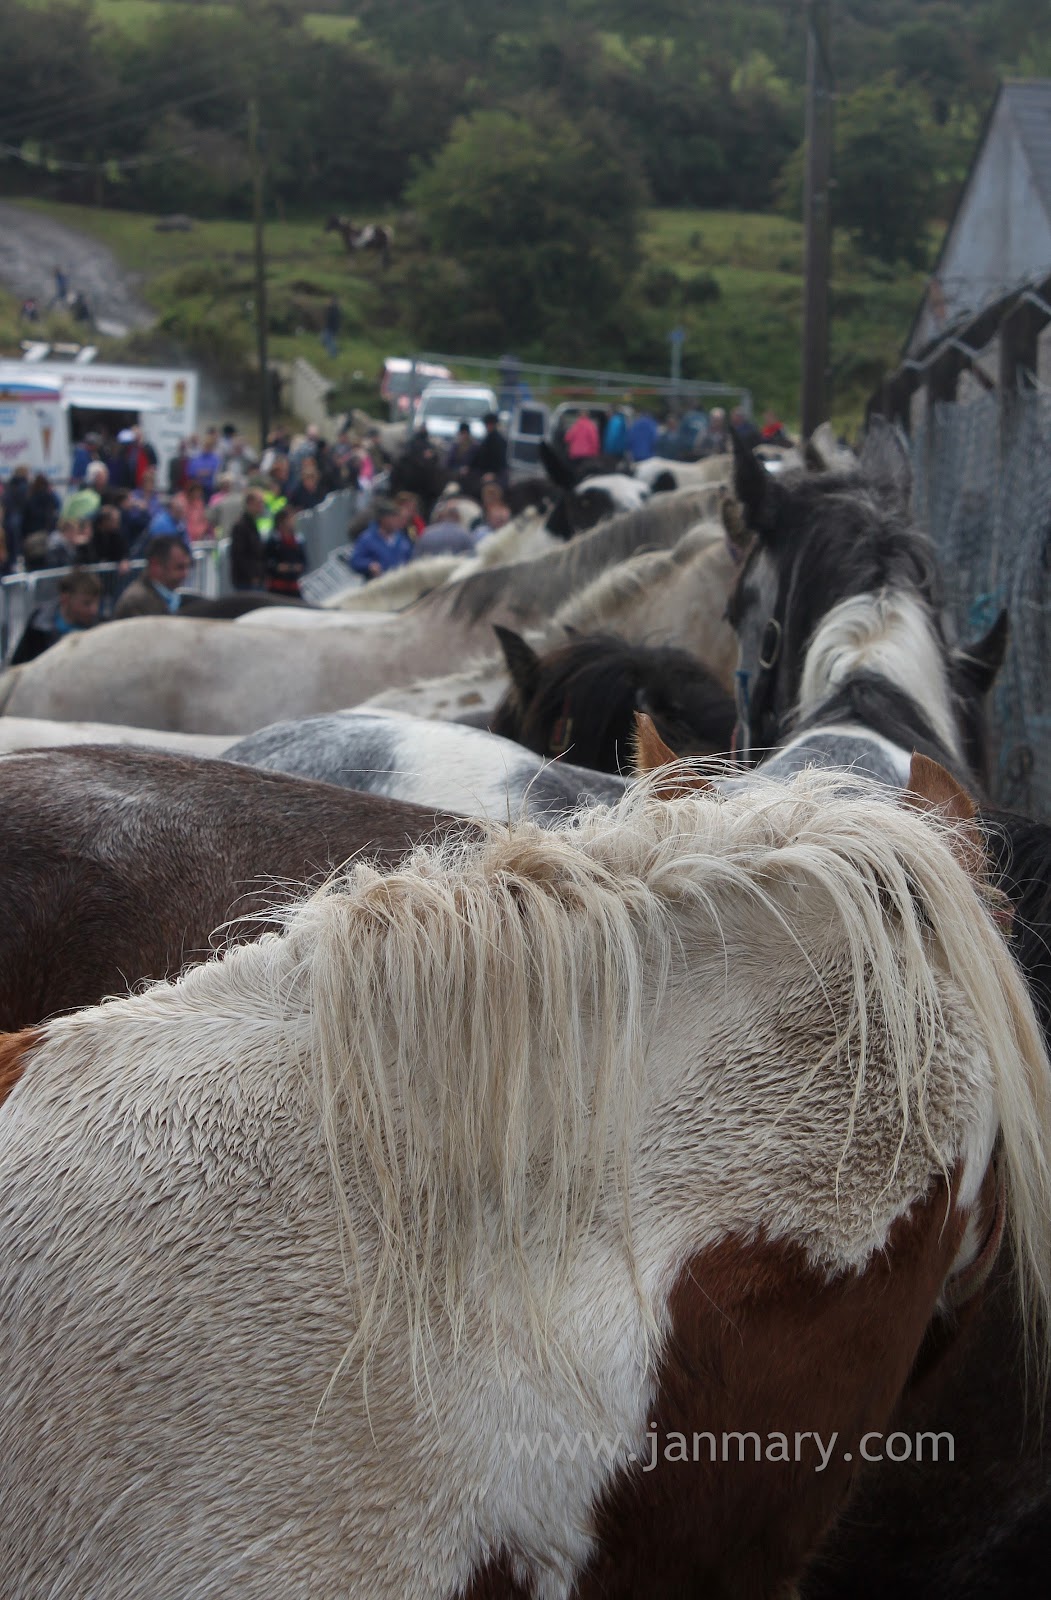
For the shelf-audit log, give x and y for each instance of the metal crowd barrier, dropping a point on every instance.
(324, 530)
(22, 592)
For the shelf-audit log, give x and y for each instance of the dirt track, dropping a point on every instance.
(31, 246)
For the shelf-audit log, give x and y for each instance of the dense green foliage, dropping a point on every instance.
(514, 146)
(541, 217)
(705, 95)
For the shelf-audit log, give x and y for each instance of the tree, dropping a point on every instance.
(540, 218)
(885, 165)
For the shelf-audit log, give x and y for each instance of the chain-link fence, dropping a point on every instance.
(983, 490)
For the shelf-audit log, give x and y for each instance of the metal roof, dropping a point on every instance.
(1028, 102)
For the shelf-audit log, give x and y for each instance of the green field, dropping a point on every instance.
(746, 331)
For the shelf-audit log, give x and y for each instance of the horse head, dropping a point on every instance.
(831, 563)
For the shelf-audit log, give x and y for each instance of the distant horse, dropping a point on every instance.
(844, 653)
(581, 699)
(442, 764)
(461, 1238)
(120, 864)
(370, 236)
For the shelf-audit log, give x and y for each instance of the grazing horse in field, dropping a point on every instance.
(120, 865)
(466, 770)
(844, 654)
(581, 699)
(212, 677)
(460, 1239)
(370, 236)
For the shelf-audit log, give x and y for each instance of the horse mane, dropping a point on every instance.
(618, 585)
(484, 1144)
(595, 680)
(537, 586)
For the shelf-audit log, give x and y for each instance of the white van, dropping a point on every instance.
(442, 407)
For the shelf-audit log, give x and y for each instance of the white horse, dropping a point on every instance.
(673, 596)
(439, 764)
(208, 677)
(28, 733)
(315, 1264)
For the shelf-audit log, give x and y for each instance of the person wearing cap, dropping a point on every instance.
(76, 608)
(384, 544)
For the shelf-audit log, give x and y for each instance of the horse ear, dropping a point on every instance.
(884, 459)
(755, 489)
(932, 788)
(523, 663)
(651, 753)
(813, 460)
(557, 466)
(976, 666)
(738, 537)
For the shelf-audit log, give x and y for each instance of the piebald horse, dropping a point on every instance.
(440, 1243)
(844, 654)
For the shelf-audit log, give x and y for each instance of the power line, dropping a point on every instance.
(56, 135)
(106, 168)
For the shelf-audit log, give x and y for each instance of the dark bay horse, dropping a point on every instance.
(120, 864)
(581, 698)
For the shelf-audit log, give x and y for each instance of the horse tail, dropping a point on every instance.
(8, 683)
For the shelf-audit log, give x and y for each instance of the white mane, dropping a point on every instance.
(890, 635)
(479, 1029)
(618, 587)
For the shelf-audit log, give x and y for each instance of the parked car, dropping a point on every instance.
(443, 406)
(404, 380)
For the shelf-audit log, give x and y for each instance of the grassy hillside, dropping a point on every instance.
(733, 281)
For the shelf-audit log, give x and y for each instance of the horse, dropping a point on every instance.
(442, 764)
(843, 648)
(454, 1218)
(211, 677)
(972, 1522)
(120, 864)
(519, 540)
(370, 236)
(27, 733)
(677, 595)
(581, 699)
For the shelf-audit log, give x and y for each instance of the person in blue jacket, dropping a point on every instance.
(384, 544)
(615, 438)
(642, 437)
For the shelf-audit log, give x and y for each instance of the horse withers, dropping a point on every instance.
(453, 1240)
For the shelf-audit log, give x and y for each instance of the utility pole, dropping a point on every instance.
(817, 217)
(260, 271)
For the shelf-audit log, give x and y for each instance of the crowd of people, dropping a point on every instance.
(218, 487)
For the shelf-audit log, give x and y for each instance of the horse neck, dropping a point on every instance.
(889, 637)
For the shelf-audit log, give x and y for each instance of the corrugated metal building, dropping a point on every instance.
(1000, 234)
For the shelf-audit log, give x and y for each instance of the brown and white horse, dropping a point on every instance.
(460, 1238)
(370, 236)
(121, 864)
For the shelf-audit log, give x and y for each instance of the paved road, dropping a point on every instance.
(31, 246)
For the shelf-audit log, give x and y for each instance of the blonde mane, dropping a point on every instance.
(594, 606)
(479, 1024)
